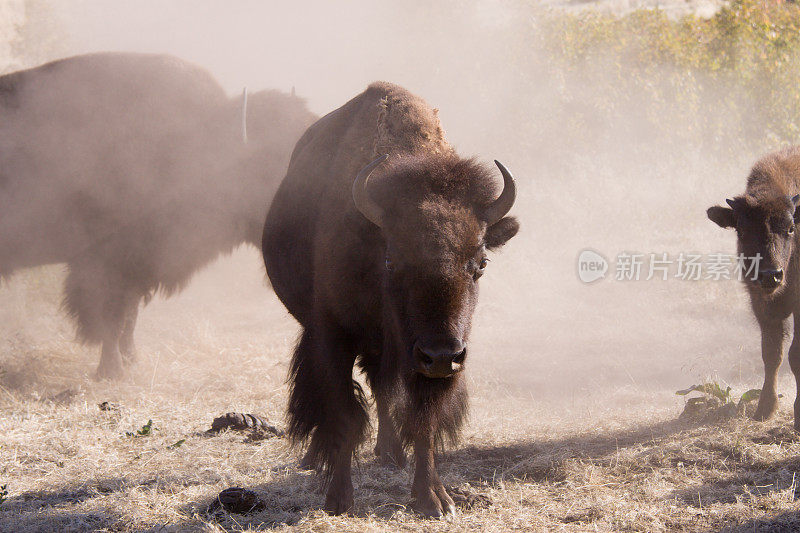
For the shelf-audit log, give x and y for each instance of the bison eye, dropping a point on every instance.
(477, 270)
(790, 231)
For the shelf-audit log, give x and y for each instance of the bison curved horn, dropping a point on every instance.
(498, 209)
(366, 205)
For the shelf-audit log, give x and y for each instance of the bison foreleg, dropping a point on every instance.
(325, 410)
(110, 366)
(794, 363)
(428, 494)
(434, 414)
(118, 349)
(126, 345)
(772, 332)
(99, 300)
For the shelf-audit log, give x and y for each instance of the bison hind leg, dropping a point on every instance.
(388, 447)
(382, 378)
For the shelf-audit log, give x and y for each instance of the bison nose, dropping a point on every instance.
(440, 361)
(771, 278)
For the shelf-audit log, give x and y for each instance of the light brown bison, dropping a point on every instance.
(382, 272)
(131, 169)
(765, 219)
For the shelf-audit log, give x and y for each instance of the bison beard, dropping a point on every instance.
(382, 274)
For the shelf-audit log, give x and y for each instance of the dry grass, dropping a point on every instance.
(615, 459)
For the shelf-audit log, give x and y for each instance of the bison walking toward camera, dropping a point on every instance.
(765, 219)
(379, 261)
(131, 169)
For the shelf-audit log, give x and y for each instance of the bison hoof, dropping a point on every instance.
(109, 371)
(129, 355)
(436, 503)
(339, 500)
(766, 409)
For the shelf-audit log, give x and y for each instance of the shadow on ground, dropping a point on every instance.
(780, 523)
(381, 492)
(60, 510)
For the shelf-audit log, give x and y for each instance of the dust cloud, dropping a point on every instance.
(612, 182)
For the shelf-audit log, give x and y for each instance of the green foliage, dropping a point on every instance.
(177, 444)
(145, 430)
(750, 396)
(713, 389)
(3, 493)
(733, 77)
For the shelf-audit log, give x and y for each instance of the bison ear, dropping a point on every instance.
(724, 217)
(500, 232)
(795, 201)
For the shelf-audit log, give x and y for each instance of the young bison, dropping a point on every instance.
(765, 218)
(383, 273)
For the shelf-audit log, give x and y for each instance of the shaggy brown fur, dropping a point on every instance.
(764, 219)
(131, 169)
(377, 296)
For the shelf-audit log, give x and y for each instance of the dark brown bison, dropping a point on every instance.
(132, 170)
(383, 273)
(765, 218)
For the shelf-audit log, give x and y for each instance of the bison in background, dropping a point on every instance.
(131, 169)
(383, 273)
(765, 220)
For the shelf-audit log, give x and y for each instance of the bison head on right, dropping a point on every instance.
(438, 216)
(764, 229)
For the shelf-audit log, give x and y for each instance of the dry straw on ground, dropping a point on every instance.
(617, 460)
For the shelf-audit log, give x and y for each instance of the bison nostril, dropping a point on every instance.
(439, 360)
(775, 276)
(770, 279)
